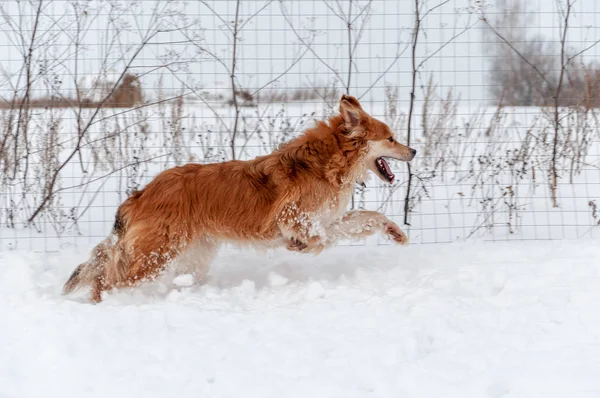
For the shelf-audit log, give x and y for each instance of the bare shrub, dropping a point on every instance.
(526, 68)
(521, 61)
(70, 139)
(52, 48)
(553, 82)
(582, 86)
(302, 94)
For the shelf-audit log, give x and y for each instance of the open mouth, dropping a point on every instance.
(384, 169)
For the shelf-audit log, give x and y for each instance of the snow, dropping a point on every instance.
(512, 319)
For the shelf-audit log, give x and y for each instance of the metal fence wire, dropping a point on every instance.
(500, 98)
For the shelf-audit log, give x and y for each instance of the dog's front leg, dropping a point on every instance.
(362, 223)
(299, 232)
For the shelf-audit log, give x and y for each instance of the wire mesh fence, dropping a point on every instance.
(499, 98)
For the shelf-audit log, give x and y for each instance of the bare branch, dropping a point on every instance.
(350, 52)
(364, 9)
(435, 8)
(577, 54)
(234, 91)
(557, 126)
(415, 39)
(535, 68)
(251, 17)
(301, 39)
(111, 173)
(285, 72)
(386, 70)
(217, 15)
(440, 48)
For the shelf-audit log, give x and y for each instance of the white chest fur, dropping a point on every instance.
(333, 210)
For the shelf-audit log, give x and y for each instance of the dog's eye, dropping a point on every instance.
(391, 139)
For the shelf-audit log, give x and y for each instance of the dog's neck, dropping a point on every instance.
(352, 152)
(326, 152)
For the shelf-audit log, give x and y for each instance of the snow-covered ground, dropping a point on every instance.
(514, 319)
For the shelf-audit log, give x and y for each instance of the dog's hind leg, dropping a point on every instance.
(145, 250)
(91, 272)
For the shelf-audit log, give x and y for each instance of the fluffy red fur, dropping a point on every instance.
(295, 197)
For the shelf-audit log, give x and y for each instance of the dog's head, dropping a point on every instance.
(380, 141)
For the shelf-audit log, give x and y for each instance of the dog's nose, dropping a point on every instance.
(414, 152)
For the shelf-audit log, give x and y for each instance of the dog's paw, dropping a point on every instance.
(296, 245)
(313, 245)
(396, 234)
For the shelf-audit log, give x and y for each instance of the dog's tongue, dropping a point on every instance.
(386, 166)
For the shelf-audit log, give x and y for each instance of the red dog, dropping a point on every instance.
(296, 196)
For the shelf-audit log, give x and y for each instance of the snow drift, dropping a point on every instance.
(459, 320)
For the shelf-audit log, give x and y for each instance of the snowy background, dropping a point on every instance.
(484, 169)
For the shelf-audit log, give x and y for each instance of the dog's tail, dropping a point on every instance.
(93, 270)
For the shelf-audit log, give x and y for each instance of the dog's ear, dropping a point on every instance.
(352, 116)
(351, 100)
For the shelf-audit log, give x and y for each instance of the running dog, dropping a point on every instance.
(295, 197)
